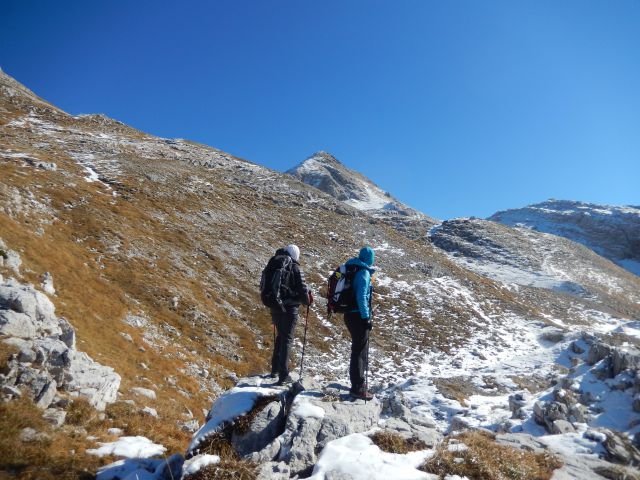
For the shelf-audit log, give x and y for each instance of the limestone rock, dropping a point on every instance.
(55, 416)
(12, 392)
(28, 435)
(521, 440)
(16, 324)
(562, 426)
(597, 352)
(47, 394)
(517, 402)
(97, 383)
(68, 335)
(552, 334)
(145, 392)
(625, 359)
(620, 450)
(274, 471)
(577, 348)
(266, 426)
(47, 283)
(26, 299)
(152, 412)
(314, 418)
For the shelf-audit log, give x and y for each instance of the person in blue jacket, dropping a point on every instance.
(359, 322)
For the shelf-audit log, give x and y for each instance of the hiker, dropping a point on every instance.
(359, 323)
(292, 291)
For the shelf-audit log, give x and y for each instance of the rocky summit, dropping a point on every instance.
(134, 342)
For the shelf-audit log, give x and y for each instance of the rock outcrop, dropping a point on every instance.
(46, 364)
(284, 430)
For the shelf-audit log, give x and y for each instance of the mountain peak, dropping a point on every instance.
(325, 172)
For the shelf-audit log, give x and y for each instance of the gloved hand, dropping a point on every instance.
(310, 298)
(368, 323)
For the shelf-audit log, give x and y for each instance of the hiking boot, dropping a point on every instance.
(284, 380)
(361, 394)
(273, 375)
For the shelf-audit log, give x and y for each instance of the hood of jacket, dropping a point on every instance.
(367, 256)
(361, 264)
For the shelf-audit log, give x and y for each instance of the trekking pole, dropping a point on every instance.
(304, 342)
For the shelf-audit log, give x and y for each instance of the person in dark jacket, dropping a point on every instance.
(359, 322)
(285, 319)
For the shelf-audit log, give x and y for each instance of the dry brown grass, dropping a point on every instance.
(394, 443)
(6, 352)
(484, 459)
(225, 470)
(231, 466)
(62, 452)
(59, 455)
(456, 388)
(80, 412)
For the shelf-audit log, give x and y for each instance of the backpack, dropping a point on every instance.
(274, 283)
(340, 295)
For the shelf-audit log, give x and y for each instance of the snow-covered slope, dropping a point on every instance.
(610, 231)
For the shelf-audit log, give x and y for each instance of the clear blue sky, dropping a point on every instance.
(456, 107)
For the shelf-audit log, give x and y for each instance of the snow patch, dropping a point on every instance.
(194, 464)
(356, 457)
(305, 409)
(129, 447)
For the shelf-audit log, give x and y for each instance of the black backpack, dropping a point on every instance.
(274, 283)
(340, 295)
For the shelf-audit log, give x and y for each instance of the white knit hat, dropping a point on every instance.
(293, 251)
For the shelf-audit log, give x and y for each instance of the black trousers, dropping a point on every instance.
(285, 323)
(359, 348)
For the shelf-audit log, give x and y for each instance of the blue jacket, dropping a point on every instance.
(362, 280)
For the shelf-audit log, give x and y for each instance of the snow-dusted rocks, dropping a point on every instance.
(611, 231)
(397, 417)
(284, 431)
(308, 430)
(47, 361)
